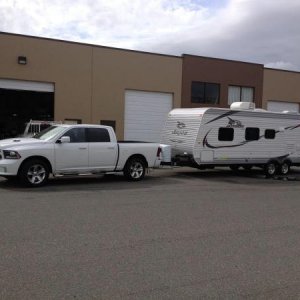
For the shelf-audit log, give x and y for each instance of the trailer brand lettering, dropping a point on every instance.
(180, 130)
(180, 125)
(234, 123)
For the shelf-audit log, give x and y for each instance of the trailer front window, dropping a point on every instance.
(226, 134)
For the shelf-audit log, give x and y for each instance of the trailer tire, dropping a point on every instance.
(247, 167)
(234, 168)
(284, 168)
(270, 169)
(135, 169)
(34, 173)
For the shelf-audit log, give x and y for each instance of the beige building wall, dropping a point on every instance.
(280, 85)
(90, 81)
(115, 71)
(66, 65)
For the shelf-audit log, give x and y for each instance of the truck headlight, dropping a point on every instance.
(10, 154)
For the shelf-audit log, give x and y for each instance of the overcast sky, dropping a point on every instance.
(262, 31)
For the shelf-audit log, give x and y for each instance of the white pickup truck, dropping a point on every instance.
(75, 149)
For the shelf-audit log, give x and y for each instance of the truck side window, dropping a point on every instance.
(77, 135)
(252, 134)
(225, 134)
(270, 134)
(98, 135)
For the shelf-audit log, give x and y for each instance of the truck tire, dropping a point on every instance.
(135, 169)
(284, 168)
(34, 173)
(270, 169)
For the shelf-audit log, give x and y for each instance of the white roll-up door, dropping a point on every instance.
(145, 115)
(11, 84)
(280, 106)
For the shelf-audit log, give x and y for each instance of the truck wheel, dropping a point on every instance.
(135, 169)
(270, 169)
(284, 168)
(34, 173)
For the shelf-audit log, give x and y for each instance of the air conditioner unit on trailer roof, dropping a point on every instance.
(243, 105)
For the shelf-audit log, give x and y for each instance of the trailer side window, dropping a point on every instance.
(270, 134)
(252, 134)
(225, 134)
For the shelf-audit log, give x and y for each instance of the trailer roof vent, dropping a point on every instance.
(242, 105)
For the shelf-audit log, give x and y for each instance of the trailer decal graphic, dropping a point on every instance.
(234, 123)
(206, 144)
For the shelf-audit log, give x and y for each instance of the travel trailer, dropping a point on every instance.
(241, 136)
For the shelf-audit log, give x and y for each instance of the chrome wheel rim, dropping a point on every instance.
(136, 170)
(284, 169)
(271, 169)
(36, 174)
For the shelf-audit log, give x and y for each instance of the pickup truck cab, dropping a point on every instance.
(75, 149)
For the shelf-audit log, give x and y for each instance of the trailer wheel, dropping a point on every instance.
(247, 167)
(284, 168)
(270, 169)
(234, 168)
(34, 172)
(135, 169)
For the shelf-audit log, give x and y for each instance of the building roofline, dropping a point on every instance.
(283, 70)
(87, 44)
(223, 59)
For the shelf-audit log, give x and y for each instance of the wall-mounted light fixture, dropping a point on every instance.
(22, 60)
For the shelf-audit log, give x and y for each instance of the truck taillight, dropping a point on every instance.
(158, 152)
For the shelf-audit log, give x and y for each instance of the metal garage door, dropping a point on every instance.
(145, 115)
(280, 106)
(11, 84)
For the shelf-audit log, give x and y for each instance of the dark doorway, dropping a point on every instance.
(19, 107)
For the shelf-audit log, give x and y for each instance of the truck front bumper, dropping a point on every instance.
(9, 167)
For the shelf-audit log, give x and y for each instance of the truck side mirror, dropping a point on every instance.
(63, 140)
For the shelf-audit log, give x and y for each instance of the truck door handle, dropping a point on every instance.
(111, 148)
(82, 148)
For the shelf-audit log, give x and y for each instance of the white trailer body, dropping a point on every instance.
(216, 136)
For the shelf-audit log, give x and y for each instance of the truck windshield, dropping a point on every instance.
(49, 133)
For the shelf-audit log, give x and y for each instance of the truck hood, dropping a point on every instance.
(8, 143)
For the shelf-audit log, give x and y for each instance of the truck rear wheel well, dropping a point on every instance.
(140, 156)
(42, 158)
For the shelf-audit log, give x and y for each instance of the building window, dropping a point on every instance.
(252, 134)
(270, 134)
(225, 134)
(72, 121)
(240, 93)
(204, 92)
(109, 123)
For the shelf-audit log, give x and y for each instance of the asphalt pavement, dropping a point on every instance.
(179, 234)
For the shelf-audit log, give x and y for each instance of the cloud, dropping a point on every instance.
(266, 32)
